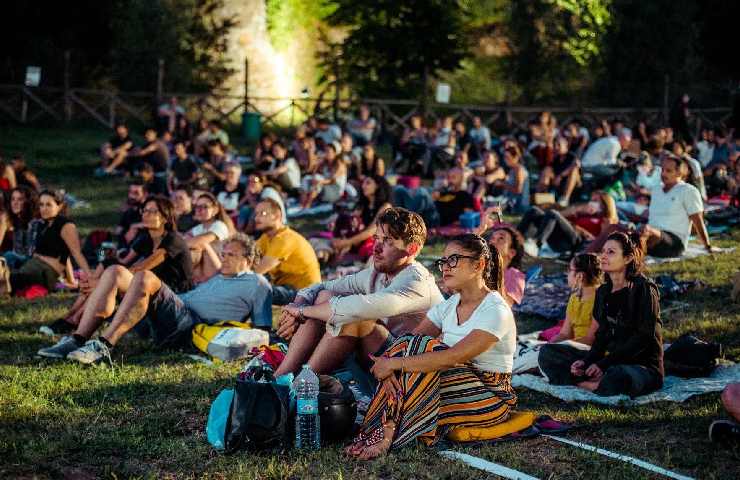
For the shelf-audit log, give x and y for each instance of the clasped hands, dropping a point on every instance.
(593, 372)
(290, 320)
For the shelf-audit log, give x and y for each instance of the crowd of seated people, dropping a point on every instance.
(182, 255)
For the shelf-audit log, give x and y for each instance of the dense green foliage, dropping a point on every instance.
(393, 48)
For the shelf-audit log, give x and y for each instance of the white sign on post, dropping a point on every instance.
(443, 93)
(33, 76)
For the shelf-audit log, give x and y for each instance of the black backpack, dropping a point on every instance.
(691, 357)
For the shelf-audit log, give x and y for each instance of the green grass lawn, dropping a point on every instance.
(145, 418)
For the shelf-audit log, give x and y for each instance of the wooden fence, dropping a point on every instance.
(26, 105)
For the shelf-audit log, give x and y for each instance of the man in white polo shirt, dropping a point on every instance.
(674, 208)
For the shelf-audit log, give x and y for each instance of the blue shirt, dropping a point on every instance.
(232, 298)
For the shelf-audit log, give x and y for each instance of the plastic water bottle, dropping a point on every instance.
(307, 425)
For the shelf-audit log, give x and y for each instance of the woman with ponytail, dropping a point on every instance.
(454, 370)
(626, 356)
(204, 239)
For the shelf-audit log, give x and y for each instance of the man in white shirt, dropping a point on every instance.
(605, 151)
(674, 208)
(330, 320)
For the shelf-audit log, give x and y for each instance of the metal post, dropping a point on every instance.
(160, 79)
(24, 107)
(246, 85)
(666, 86)
(67, 99)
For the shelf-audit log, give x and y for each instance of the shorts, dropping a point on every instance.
(668, 246)
(168, 322)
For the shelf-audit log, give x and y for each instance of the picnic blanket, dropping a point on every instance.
(675, 389)
(546, 296)
(692, 251)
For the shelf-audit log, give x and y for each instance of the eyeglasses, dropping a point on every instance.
(228, 254)
(202, 206)
(451, 261)
(263, 213)
(150, 211)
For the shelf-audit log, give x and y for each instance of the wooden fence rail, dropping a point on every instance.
(21, 104)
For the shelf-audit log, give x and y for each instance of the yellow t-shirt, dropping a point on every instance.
(580, 313)
(298, 265)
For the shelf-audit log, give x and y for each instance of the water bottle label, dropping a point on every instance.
(308, 407)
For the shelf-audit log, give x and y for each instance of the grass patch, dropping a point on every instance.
(146, 417)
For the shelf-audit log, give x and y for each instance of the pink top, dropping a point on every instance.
(514, 281)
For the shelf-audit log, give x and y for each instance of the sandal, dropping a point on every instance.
(378, 443)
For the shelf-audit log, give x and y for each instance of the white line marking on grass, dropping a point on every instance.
(487, 466)
(623, 458)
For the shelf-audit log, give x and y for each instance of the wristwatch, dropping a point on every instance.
(301, 316)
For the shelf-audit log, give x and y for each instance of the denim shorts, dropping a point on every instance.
(168, 321)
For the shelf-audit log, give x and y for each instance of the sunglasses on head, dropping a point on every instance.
(452, 260)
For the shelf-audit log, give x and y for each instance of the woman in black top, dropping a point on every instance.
(627, 354)
(55, 242)
(158, 248)
(167, 264)
(370, 165)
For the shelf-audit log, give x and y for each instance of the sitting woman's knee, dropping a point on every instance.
(116, 270)
(147, 281)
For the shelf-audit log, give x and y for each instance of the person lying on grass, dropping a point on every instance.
(235, 293)
(627, 353)
(362, 312)
(454, 369)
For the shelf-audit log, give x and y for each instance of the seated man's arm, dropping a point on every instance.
(266, 264)
(406, 294)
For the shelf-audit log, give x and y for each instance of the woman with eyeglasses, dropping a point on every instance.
(626, 356)
(455, 368)
(204, 240)
(162, 251)
(56, 241)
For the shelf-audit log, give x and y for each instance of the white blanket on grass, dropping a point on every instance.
(675, 389)
(692, 251)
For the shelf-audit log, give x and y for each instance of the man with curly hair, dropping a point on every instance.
(364, 311)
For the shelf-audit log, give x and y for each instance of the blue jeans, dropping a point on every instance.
(15, 260)
(283, 294)
(417, 200)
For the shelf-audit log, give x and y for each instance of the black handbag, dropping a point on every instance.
(258, 418)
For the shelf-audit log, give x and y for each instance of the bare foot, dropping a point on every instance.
(589, 385)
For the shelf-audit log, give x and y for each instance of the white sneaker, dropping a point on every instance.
(547, 252)
(530, 247)
(93, 351)
(563, 203)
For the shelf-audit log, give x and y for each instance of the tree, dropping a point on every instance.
(188, 34)
(555, 45)
(393, 48)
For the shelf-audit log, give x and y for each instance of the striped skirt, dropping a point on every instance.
(435, 402)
